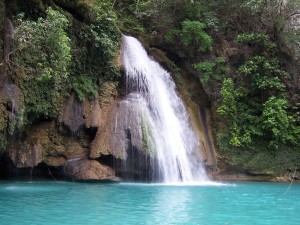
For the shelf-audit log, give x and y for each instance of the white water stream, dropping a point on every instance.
(177, 148)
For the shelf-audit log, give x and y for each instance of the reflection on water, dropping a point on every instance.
(172, 205)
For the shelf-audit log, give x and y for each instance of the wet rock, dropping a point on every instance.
(72, 114)
(109, 94)
(92, 114)
(84, 169)
(11, 103)
(161, 57)
(55, 161)
(228, 172)
(43, 143)
(281, 179)
(29, 156)
(122, 128)
(95, 111)
(102, 143)
(13, 97)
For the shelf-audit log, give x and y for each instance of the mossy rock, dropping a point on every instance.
(259, 158)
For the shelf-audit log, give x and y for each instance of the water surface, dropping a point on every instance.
(94, 203)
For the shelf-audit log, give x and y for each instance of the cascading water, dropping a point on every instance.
(176, 147)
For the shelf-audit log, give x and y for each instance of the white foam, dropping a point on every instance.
(176, 147)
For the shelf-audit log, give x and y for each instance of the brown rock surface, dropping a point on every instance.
(102, 144)
(43, 143)
(72, 114)
(92, 113)
(84, 169)
(103, 117)
(55, 161)
(121, 127)
(29, 156)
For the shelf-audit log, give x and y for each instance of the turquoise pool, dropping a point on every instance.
(93, 203)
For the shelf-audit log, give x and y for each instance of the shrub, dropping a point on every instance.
(277, 122)
(212, 71)
(95, 47)
(193, 35)
(264, 72)
(258, 40)
(83, 86)
(41, 62)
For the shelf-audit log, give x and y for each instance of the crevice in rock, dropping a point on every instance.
(70, 10)
(42, 171)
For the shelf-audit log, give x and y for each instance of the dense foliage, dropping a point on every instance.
(55, 53)
(259, 94)
(95, 47)
(41, 62)
(245, 54)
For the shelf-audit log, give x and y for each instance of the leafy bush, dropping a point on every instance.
(193, 35)
(259, 40)
(229, 101)
(277, 123)
(247, 118)
(199, 10)
(41, 62)
(264, 72)
(84, 87)
(212, 71)
(207, 69)
(95, 49)
(239, 116)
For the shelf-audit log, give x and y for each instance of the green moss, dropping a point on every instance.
(258, 157)
(148, 141)
(108, 93)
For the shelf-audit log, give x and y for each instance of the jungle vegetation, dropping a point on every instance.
(245, 54)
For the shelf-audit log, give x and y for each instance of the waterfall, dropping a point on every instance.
(175, 145)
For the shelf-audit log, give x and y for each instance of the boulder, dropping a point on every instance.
(89, 170)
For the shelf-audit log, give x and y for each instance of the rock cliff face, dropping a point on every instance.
(105, 137)
(68, 144)
(94, 140)
(87, 134)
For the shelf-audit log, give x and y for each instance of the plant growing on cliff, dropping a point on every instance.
(254, 39)
(212, 71)
(41, 62)
(247, 117)
(201, 10)
(277, 123)
(83, 86)
(264, 72)
(239, 116)
(192, 35)
(95, 49)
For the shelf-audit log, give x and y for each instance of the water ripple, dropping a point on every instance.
(80, 203)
